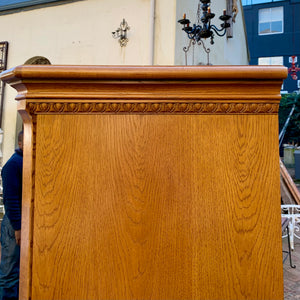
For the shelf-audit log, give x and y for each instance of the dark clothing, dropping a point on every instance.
(12, 188)
(10, 251)
(10, 262)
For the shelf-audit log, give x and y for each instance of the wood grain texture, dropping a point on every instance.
(155, 208)
(159, 84)
(29, 125)
(150, 182)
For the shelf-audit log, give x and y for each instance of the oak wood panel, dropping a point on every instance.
(94, 72)
(150, 182)
(147, 82)
(156, 207)
(29, 125)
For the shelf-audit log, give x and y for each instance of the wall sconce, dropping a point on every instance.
(121, 33)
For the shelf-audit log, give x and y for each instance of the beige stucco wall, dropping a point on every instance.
(75, 33)
(81, 33)
(165, 32)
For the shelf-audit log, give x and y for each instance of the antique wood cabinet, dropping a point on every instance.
(150, 182)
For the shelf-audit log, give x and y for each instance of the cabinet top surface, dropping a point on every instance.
(147, 89)
(65, 72)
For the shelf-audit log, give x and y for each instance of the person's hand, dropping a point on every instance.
(18, 236)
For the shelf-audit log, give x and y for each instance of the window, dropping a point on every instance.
(253, 2)
(270, 20)
(3, 65)
(269, 61)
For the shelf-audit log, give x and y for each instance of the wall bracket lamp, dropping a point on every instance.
(121, 33)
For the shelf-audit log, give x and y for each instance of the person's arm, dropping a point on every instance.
(18, 236)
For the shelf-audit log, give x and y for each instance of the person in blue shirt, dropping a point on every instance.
(11, 224)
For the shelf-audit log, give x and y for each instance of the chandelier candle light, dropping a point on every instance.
(204, 29)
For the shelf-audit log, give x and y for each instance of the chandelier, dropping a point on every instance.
(204, 29)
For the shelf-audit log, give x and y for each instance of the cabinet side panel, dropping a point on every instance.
(157, 207)
(27, 207)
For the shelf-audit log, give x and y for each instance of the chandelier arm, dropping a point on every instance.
(207, 50)
(187, 48)
(191, 36)
(216, 30)
(192, 33)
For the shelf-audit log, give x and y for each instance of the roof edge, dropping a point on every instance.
(25, 4)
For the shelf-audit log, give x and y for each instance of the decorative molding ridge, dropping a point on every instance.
(151, 108)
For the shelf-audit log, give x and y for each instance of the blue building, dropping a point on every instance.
(273, 31)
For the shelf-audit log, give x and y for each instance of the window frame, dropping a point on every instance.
(270, 58)
(270, 22)
(3, 67)
(250, 2)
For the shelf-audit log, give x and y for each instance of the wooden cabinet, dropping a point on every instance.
(150, 182)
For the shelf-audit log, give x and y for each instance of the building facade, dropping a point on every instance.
(79, 32)
(273, 31)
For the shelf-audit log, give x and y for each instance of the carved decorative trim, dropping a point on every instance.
(152, 108)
